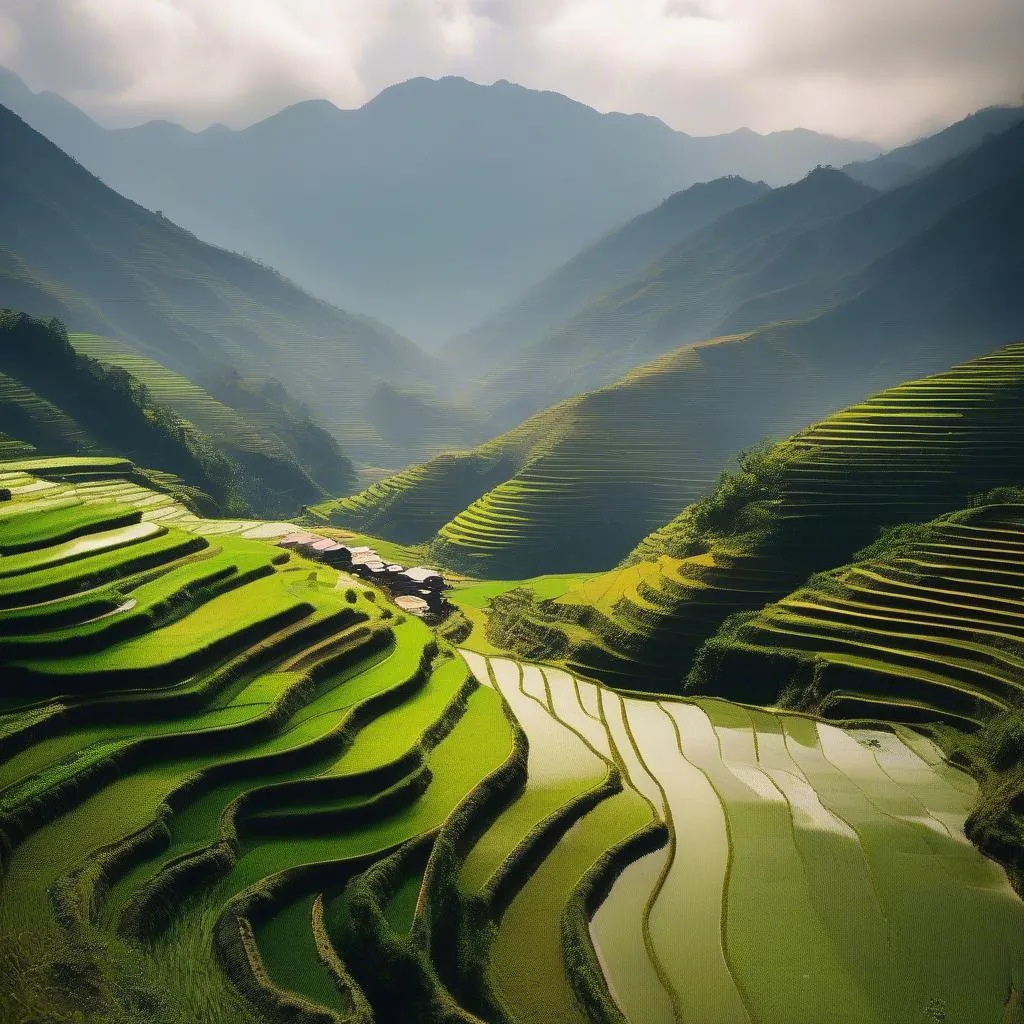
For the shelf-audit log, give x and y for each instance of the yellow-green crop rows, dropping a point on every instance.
(20, 405)
(202, 739)
(189, 400)
(933, 629)
(573, 488)
(908, 454)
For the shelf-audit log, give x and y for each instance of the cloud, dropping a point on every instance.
(874, 68)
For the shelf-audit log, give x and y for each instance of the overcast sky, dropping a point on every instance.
(884, 70)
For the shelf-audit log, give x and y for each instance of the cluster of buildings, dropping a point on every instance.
(418, 590)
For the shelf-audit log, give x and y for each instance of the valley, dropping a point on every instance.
(470, 557)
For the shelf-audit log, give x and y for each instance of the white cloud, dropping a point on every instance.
(873, 68)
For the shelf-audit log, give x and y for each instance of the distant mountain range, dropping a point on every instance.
(792, 253)
(432, 205)
(882, 287)
(73, 248)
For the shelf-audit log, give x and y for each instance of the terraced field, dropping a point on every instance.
(239, 786)
(196, 404)
(930, 628)
(810, 872)
(202, 738)
(575, 487)
(908, 454)
(282, 461)
(20, 406)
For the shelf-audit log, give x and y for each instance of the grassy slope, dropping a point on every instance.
(574, 487)
(925, 627)
(948, 294)
(909, 453)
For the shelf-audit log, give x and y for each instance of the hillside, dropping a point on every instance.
(924, 626)
(907, 454)
(62, 402)
(237, 785)
(618, 256)
(795, 253)
(900, 165)
(75, 249)
(507, 183)
(283, 460)
(576, 486)
(568, 489)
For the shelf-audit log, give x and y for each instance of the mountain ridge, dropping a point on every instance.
(526, 177)
(75, 248)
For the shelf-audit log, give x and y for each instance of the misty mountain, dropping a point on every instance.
(617, 256)
(567, 489)
(432, 205)
(73, 248)
(900, 165)
(681, 297)
(790, 255)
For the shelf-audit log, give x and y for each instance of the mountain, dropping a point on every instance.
(565, 491)
(793, 254)
(432, 205)
(577, 485)
(900, 165)
(74, 248)
(905, 455)
(680, 297)
(831, 263)
(618, 256)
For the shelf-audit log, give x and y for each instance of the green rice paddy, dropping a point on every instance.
(288, 806)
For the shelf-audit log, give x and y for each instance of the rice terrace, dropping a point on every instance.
(468, 556)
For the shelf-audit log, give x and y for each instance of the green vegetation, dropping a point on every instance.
(809, 503)
(282, 459)
(233, 732)
(63, 401)
(512, 507)
(543, 588)
(229, 791)
(929, 620)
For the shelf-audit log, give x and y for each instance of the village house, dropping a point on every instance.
(418, 590)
